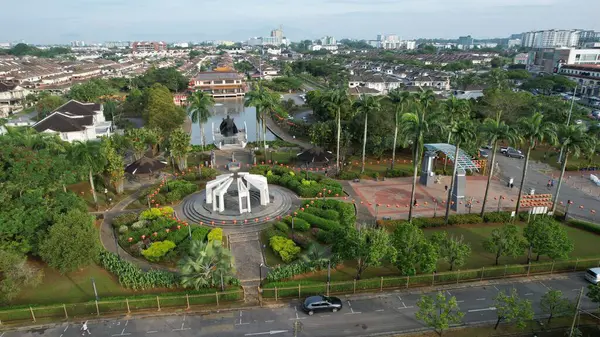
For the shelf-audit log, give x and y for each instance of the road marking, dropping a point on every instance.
(122, 334)
(529, 294)
(400, 298)
(65, 330)
(571, 290)
(297, 317)
(406, 307)
(484, 309)
(545, 285)
(126, 322)
(272, 332)
(496, 288)
(380, 310)
(448, 292)
(153, 331)
(270, 321)
(481, 299)
(460, 301)
(240, 320)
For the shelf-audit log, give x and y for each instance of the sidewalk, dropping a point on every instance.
(280, 133)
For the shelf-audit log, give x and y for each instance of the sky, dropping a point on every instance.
(94, 21)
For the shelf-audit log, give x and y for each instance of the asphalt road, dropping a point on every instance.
(362, 315)
(513, 167)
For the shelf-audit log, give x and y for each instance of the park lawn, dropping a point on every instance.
(379, 165)
(551, 158)
(586, 245)
(73, 287)
(83, 190)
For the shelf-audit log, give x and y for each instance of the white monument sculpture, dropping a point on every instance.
(216, 189)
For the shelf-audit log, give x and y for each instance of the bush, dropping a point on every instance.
(497, 217)
(586, 226)
(200, 233)
(282, 226)
(347, 176)
(123, 229)
(157, 250)
(318, 222)
(323, 213)
(325, 237)
(300, 239)
(271, 232)
(299, 224)
(346, 211)
(464, 219)
(287, 178)
(215, 234)
(173, 196)
(138, 224)
(154, 213)
(124, 220)
(400, 172)
(300, 267)
(132, 277)
(285, 247)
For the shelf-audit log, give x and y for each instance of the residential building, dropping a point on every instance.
(77, 43)
(512, 43)
(437, 82)
(548, 60)
(552, 38)
(316, 47)
(76, 121)
(328, 41)
(521, 58)
(383, 83)
(466, 42)
(148, 47)
(220, 83)
(12, 97)
(117, 44)
(587, 77)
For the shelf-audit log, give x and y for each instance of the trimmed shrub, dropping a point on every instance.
(132, 277)
(124, 220)
(123, 229)
(347, 176)
(157, 250)
(282, 226)
(586, 226)
(318, 222)
(286, 248)
(346, 211)
(499, 217)
(139, 224)
(272, 231)
(464, 219)
(200, 233)
(299, 224)
(215, 234)
(325, 237)
(300, 239)
(399, 172)
(329, 214)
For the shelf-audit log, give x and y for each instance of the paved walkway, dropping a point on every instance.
(280, 133)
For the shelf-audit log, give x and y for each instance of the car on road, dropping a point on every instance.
(504, 149)
(319, 303)
(514, 153)
(593, 275)
(483, 153)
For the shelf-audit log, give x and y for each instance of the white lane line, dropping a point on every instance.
(240, 323)
(184, 318)
(400, 298)
(529, 294)
(545, 285)
(153, 331)
(460, 301)
(410, 306)
(496, 288)
(126, 322)
(483, 309)
(481, 299)
(3, 335)
(272, 332)
(380, 310)
(65, 330)
(297, 317)
(270, 321)
(325, 315)
(122, 334)
(404, 305)
(449, 294)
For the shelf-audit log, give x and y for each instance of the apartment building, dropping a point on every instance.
(587, 77)
(552, 38)
(148, 47)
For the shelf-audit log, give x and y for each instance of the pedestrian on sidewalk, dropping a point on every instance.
(85, 329)
(549, 184)
(510, 182)
(446, 188)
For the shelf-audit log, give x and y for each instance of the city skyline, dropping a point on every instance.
(185, 20)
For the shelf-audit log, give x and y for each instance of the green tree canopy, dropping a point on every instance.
(205, 265)
(92, 90)
(512, 309)
(439, 312)
(452, 249)
(505, 241)
(413, 250)
(160, 111)
(16, 274)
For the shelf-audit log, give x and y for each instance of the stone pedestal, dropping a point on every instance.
(458, 191)
(427, 177)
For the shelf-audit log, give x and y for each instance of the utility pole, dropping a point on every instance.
(576, 312)
(568, 121)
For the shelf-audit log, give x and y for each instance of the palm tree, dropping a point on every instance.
(494, 130)
(199, 104)
(400, 100)
(261, 99)
(455, 109)
(592, 148)
(366, 105)
(87, 154)
(533, 130)
(572, 139)
(315, 254)
(414, 126)
(463, 132)
(136, 142)
(206, 265)
(336, 99)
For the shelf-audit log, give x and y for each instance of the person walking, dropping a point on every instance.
(549, 184)
(84, 329)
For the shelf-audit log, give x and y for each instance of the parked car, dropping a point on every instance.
(503, 149)
(514, 153)
(593, 275)
(483, 153)
(319, 303)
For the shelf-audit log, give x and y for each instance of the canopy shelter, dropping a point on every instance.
(145, 165)
(315, 155)
(463, 161)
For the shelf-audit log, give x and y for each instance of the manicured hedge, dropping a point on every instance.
(307, 185)
(124, 220)
(499, 217)
(329, 214)
(282, 226)
(132, 277)
(586, 226)
(300, 239)
(299, 224)
(271, 232)
(286, 248)
(457, 219)
(399, 172)
(346, 211)
(324, 237)
(319, 222)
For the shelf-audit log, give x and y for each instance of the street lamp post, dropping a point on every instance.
(95, 291)
(568, 121)
(106, 195)
(260, 270)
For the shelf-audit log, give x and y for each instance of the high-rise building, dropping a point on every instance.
(148, 47)
(328, 41)
(551, 38)
(466, 42)
(77, 44)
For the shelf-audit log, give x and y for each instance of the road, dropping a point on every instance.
(513, 167)
(362, 315)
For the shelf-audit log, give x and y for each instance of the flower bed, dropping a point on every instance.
(305, 184)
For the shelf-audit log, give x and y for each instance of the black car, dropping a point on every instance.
(318, 303)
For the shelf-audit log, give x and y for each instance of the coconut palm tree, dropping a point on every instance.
(463, 132)
(366, 105)
(414, 126)
(199, 104)
(533, 130)
(400, 100)
(87, 154)
(592, 148)
(206, 264)
(336, 100)
(494, 130)
(454, 109)
(572, 139)
(262, 100)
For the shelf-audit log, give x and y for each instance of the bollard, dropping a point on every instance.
(127, 302)
(299, 291)
(32, 315)
(217, 297)
(275, 294)
(354, 290)
(482, 269)
(327, 288)
(576, 263)
(187, 299)
(407, 278)
(65, 308)
(381, 284)
(97, 308)
(158, 303)
(552, 268)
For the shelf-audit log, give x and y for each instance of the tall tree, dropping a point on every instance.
(160, 111)
(337, 100)
(572, 139)
(199, 104)
(413, 250)
(414, 126)
(87, 154)
(452, 249)
(47, 104)
(71, 243)
(554, 304)
(136, 142)
(179, 146)
(365, 106)
(463, 132)
(505, 241)
(439, 312)
(533, 130)
(16, 273)
(512, 309)
(455, 110)
(369, 247)
(262, 100)
(401, 100)
(114, 164)
(494, 130)
(206, 264)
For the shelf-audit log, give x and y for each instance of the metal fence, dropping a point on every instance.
(424, 280)
(119, 306)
